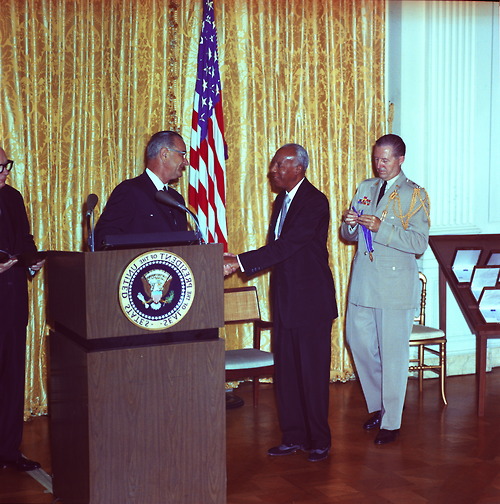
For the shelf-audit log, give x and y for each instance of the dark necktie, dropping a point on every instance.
(382, 191)
(170, 211)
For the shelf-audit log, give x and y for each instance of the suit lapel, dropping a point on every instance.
(146, 185)
(374, 190)
(298, 199)
(295, 205)
(278, 203)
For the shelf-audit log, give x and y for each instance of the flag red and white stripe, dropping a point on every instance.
(207, 172)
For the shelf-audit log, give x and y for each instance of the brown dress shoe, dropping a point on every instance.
(373, 421)
(385, 436)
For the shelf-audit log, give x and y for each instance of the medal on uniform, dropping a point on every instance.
(367, 234)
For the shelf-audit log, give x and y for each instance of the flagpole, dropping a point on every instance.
(207, 171)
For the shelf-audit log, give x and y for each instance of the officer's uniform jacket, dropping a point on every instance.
(388, 277)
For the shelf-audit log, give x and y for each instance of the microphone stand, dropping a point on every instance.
(92, 200)
(198, 233)
(90, 230)
(165, 198)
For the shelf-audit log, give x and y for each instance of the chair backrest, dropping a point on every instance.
(420, 317)
(241, 305)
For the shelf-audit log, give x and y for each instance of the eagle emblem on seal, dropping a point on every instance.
(156, 285)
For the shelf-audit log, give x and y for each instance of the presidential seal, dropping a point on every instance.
(156, 290)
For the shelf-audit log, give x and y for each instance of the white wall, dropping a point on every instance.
(443, 79)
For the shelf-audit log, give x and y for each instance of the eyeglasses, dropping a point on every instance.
(7, 166)
(181, 152)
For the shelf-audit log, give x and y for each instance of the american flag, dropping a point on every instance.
(207, 173)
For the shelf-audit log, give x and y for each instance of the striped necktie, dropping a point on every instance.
(284, 210)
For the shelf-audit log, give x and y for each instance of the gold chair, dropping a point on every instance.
(423, 337)
(241, 306)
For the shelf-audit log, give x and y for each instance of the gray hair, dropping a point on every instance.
(160, 140)
(301, 154)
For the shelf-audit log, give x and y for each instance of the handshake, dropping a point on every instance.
(231, 264)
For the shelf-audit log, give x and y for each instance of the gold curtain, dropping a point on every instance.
(84, 83)
(304, 71)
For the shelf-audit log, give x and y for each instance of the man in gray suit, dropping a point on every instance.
(389, 218)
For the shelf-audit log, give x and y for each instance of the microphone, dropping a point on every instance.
(167, 199)
(92, 200)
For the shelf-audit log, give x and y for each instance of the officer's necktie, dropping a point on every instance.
(382, 191)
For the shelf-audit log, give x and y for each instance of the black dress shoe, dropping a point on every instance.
(318, 454)
(373, 421)
(385, 436)
(21, 464)
(284, 449)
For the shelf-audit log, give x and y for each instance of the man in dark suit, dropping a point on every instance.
(132, 207)
(303, 301)
(17, 245)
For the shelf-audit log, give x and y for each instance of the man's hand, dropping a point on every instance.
(38, 266)
(350, 217)
(7, 265)
(230, 264)
(370, 222)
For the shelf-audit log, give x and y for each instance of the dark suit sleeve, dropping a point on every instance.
(13, 282)
(20, 239)
(117, 215)
(308, 219)
(301, 281)
(26, 242)
(132, 209)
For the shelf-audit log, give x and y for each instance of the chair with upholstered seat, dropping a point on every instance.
(429, 341)
(241, 306)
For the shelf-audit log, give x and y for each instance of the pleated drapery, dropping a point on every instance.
(84, 84)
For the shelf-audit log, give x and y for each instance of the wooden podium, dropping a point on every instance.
(137, 415)
(444, 248)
